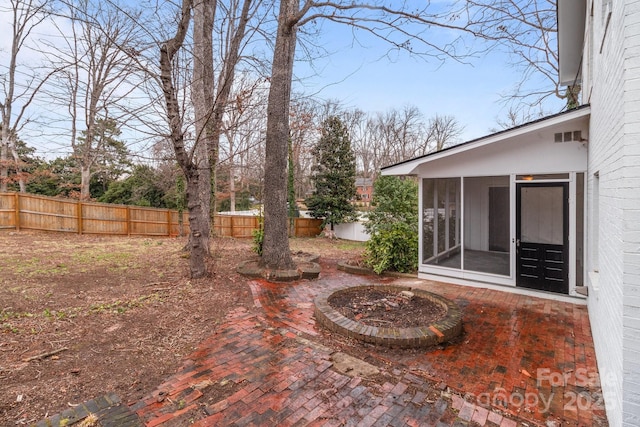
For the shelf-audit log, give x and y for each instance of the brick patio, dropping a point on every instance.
(522, 360)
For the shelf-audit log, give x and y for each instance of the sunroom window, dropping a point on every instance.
(487, 225)
(441, 222)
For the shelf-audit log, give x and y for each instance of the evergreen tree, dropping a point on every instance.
(58, 177)
(334, 175)
(27, 164)
(102, 158)
(141, 188)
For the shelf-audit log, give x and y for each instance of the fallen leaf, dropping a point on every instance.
(202, 385)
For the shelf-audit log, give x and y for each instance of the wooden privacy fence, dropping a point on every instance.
(29, 211)
(243, 226)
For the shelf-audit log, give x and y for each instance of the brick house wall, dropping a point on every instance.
(611, 84)
(364, 190)
(630, 186)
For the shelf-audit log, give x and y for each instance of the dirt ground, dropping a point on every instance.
(387, 309)
(84, 315)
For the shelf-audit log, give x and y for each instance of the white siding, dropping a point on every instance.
(533, 152)
(614, 152)
(351, 231)
(528, 149)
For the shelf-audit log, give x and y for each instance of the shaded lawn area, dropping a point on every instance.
(119, 313)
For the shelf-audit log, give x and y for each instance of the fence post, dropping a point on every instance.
(128, 218)
(17, 210)
(168, 222)
(79, 213)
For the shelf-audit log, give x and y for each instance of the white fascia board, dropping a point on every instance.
(571, 26)
(403, 169)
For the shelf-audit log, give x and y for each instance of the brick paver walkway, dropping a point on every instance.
(108, 410)
(522, 361)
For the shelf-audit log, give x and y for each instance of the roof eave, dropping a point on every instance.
(571, 25)
(410, 167)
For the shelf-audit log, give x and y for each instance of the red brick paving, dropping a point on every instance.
(526, 353)
(522, 360)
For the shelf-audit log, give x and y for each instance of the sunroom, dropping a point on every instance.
(506, 209)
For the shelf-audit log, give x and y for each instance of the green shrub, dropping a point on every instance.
(393, 226)
(393, 248)
(258, 237)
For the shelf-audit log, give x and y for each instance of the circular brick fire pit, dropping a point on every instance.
(442, 330)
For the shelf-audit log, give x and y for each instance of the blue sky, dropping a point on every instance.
(359, 77)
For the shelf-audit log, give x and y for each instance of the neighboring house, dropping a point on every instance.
(364, 190)
(552, 207)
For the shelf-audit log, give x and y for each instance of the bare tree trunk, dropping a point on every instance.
(17, 162)
(82, 150)
(232, 186)
(204, 190)
(8, 147)
(225, 81)
(26, 16)
(85, 180)
(275, 250)
(203, 102)
(168, 50)
(4, 161)
(6, 107)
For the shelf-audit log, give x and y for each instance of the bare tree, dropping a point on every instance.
(241, 130)
(405, 28)
(384, 138)
(197, 211)
(18, 93)
(516, 117)
(527, 30)
(379, 149)
(275, 246)
(304, 131)
(233, 35)
(251, 164)
(401, 131)
(356, 122)
(197, 71)
(203, 98)
(442, 132)
(98, 79)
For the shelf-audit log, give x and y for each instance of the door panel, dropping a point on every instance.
(542, 225)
